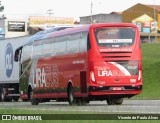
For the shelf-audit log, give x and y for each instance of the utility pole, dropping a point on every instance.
(91, 12)
(91, 16)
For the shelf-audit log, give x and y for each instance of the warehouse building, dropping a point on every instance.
(101, 18)
(147, 18)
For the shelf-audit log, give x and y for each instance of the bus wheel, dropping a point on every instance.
(33, 100)
(84, 102)
(71, 98)
(111, 101)
(118, 101)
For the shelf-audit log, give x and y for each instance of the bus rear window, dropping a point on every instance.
(115, 37)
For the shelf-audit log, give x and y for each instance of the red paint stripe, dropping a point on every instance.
(59, 95)
(79, 94)
(51, 95)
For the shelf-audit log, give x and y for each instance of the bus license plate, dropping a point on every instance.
(116, 88)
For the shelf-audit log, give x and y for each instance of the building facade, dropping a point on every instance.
(101, 18)
(147, 18)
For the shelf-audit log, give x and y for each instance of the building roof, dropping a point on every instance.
(94, 15)
(119, 13)
(156, 7)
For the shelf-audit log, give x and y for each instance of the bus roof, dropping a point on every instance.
(87, 27)
(70, 30)
(113, 25)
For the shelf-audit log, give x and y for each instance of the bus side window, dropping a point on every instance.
(27, 51)
(73, 43)
(37, 49)
(48, 47)
(60, 45)
(83, 42)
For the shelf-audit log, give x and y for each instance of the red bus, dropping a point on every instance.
(93, 62)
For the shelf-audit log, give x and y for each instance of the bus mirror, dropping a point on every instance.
(17, 54)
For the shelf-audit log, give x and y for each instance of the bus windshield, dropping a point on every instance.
(115, 37)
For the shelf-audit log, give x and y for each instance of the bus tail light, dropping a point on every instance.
(139, 75)
(92, 76)
(133, 67)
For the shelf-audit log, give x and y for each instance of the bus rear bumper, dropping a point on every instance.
(105, 90)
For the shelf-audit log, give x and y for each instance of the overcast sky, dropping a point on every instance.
(68, 8)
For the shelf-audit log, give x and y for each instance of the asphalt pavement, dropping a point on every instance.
(128, 106)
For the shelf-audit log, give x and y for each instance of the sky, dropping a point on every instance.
(67, 8)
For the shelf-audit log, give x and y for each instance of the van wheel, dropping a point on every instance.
(32, 99)
(8, 99)
(2, 94)
(71, 98)
(15, 99)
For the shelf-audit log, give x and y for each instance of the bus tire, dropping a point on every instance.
(118, 101)
(112, 101)
(33, 100)
(71, 98)
(84, 101)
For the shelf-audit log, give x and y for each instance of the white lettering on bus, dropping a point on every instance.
(40, 78)
(78, 62)
(47, 76)
(43, 82)
(105, 73)
(115, 49)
